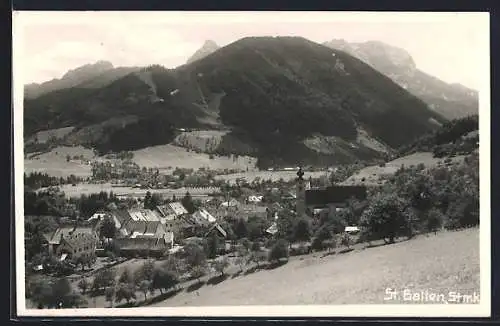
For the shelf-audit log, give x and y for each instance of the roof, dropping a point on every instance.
(351, 229)
(144, 215)
(178, 208)
(77, 240)
(97, 216)
(232, 203)
(203, 216)
(334, 194)
(171, 210)
(217, 227)
(144, 243)
(272, 229)
(65, 232)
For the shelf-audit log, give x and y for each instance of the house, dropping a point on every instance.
(351, 229)
(72, 242)
(218, 228)
(171, 211)
(255, 199)
(273, 229)
(97, 216)
(140, 223)
(203, 217)
(333, 197)
(144, 247)
(245, 211)
(230, 203)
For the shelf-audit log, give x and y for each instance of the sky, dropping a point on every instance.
(446, 45)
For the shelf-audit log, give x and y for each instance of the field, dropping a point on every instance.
(200, 139)
(164, 156)
(265, 175)
(372, 174)
(54, 162)
(89, 188)
(442, 263)
(44, 136)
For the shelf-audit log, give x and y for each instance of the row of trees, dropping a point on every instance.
(37, 180)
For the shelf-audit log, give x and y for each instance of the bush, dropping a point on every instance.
(302, 249)
(220, 265)
(435, 220)
(346, 240)
(279, 251)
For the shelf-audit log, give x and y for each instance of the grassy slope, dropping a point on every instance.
(163, 156)
(373, 173)
(54, 162)
(442, 263)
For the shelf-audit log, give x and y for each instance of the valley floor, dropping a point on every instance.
(439, 263)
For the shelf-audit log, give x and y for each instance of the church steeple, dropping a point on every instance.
(300, 206)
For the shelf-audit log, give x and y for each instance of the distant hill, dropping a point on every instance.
(450, 100)
(208, 48)
(94, 75)
(458, 136)
(286, 100)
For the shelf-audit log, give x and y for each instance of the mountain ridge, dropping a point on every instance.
(450, 100)
(289, 87)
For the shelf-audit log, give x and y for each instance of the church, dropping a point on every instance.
(312, 201)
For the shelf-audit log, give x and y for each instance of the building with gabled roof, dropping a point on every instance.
(171, 211)
(144, 247)
(139, 223)
(334, 198)
(203, 217)
(72, 241)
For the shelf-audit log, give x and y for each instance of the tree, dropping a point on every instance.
(285, 226)
(241, 229)
(42, 294)
(322, 235)
(187, 202)
(213, 245)
(240, 261)
(220, 265)
(126, 277)
(61, 289)
(434, 220)
(83, 285)
(164, 279)
(108, 228)
(198, 271)
(125, 291)
(346, 240)
(302, 231)
(145, 272)
(145, 286)
(147, 200)
(110, 295)
(385, 217)
(257, 257)
(104, 279)
(279, 251)
(195, 255)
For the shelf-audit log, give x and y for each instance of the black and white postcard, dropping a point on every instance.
(296, 164)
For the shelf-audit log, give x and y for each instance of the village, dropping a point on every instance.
(236, 225)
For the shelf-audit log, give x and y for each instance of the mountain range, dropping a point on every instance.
(450, 100)
(285, 100)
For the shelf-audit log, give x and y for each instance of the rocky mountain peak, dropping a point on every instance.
(208, 48)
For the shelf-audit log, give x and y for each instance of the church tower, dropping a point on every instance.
(300, 205)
